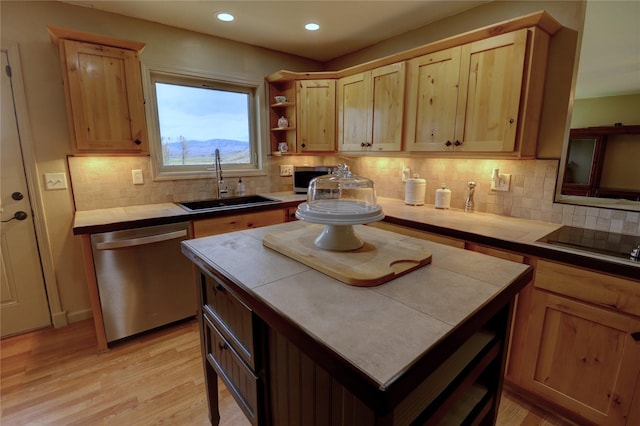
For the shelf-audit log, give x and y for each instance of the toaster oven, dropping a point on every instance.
(302, 175)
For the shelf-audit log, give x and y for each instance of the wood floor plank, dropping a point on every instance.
(56, 377)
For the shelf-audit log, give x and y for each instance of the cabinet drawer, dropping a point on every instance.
(237, 377)
(233, 319)
(220, 225)
(501, 254)
(600, 289)
(417, 233)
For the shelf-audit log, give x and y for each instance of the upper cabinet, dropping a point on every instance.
(316, 114)
(432, 99)
(103, 89)
(478, 94)
(370, 109)
(472, 98)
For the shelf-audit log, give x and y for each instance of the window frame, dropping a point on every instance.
(196, 78)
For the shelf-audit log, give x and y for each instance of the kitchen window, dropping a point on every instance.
(190, 116)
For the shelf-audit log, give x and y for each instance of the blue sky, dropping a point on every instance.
(201, 114)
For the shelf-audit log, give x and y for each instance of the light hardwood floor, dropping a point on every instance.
(56, 377)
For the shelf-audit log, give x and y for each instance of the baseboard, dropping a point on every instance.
(59, 319)
(77, 316)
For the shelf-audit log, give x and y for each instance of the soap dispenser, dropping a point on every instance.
(240, 187)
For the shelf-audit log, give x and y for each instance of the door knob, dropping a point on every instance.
(19, 215)
(17, 196)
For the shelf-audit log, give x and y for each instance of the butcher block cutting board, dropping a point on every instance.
(384, 256)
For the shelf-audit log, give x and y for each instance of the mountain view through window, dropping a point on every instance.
(194, 121)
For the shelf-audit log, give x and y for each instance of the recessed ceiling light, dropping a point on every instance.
(226, 17)
(312, 26)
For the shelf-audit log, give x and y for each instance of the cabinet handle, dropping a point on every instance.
(137, 141)
(219, 287)
(636, 336)
(222, 346)
(457, 143)
(447, 143)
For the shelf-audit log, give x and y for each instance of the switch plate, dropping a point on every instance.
(286, 170)
(137, 177)
(503, 183)
(55, 180)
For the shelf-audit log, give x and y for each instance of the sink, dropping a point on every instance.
(226, 203)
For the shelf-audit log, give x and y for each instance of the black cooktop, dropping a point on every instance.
(603, 242)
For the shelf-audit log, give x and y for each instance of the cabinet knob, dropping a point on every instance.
(447, 143)
(304, 145)
(222, 346)
(219, 287)
(636, 336)
(457, 143)
(137, 141)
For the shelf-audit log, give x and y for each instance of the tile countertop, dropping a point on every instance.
(457, 284)
(509, 233)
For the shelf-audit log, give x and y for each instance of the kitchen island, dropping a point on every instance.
(295, 346)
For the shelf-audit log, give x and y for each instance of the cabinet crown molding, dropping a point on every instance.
(57, 33)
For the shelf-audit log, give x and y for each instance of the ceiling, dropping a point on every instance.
(346, 26)
(609, 64)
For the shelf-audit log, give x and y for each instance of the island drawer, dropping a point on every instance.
(237, 377)
(234, 320)
(608, 291)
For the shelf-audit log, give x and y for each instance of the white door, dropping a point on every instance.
(23, 299)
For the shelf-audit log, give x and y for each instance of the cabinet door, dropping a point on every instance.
(491, 76)
(371, 109)
(316, 115)
(104, 96)
(353, 112)
(582, 358)
(432, 97)
(387, 107)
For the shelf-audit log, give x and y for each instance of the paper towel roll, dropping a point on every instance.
(415, 191)
(443, 198)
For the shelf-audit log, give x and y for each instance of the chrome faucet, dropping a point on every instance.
(468, 204)
(220, 185)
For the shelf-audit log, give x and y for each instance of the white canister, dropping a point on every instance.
(415, 191)
(443, 198)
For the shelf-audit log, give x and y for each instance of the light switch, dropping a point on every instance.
(55, 180)
(138, 179)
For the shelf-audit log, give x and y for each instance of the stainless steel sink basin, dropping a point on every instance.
(226, 203)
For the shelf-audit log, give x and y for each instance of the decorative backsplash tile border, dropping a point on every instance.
(103, 182)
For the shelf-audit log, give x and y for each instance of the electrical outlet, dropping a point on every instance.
(502, 184)
(286, 170)
(136, 176)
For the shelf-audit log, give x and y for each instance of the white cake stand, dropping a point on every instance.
(339, 216)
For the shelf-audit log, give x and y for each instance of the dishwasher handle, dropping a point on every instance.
(110, 245)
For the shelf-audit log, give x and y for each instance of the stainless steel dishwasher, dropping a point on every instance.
(144, 280)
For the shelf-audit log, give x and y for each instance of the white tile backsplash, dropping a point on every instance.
(103, 182)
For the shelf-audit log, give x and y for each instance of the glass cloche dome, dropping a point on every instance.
(340, 200)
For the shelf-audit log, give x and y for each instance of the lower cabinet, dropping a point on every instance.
(581, 353)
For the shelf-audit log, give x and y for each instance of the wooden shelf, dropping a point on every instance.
(282, 129)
